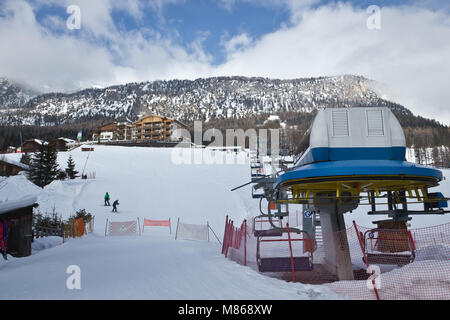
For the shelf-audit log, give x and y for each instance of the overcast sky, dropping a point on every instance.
(139, 40)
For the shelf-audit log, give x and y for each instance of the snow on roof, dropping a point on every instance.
(15, 163)
(10, 205)
(16, 187)
(273, 118)
(67, 140)
(41, 142)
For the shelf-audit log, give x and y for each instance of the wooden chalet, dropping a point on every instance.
(11, 168)
(11, 149)
(150, 128)
(155, 128)
(62, 144)
(18, 214)
(32, 145)
(114, 131)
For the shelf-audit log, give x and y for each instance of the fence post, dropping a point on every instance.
(139, 225)
(245, 242)
(225, 234)
(176, 232)
(361, 244)
(290, 250)
(106, 227)
(230, 238)
(207, 226)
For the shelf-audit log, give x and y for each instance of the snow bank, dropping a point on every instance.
(433, 252)
(40, 244)
(416, 281)
(16, 187)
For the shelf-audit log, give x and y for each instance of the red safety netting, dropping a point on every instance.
(122, 228)
(403, 264)
(156, 223)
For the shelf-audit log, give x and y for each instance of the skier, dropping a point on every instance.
(115, 204)
(107, 197)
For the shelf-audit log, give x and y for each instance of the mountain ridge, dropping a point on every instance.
(200, 99)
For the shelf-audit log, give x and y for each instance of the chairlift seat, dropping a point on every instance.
(385, 258)
(258, 196)
(284, 264)
(268, 233)
(257, 175)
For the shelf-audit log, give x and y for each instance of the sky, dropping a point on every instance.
(403, 45)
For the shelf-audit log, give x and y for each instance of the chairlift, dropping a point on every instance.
(291, 263)
(263, 227)
(389, 246)
(257, 193)
(257, 172)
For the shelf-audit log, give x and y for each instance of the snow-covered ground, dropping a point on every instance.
(148, 184)
(152, 266)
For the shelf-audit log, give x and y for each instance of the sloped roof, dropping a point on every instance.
(15, 163)
(67, 140)
(27, 201)
(41, 142)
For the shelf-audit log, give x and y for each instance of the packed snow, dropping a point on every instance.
(149, 184)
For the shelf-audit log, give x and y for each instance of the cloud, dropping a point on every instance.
(236, 43)
(408, 56)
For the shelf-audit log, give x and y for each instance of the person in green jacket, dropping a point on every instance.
(107, 197)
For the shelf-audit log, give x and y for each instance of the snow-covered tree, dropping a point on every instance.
(44, 167)
(71, 172)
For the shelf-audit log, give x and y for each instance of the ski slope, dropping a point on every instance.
(149, 184)
(152, 266)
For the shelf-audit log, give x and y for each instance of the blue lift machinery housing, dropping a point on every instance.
(356, 156)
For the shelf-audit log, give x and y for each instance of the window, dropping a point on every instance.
(340, 123)
(375, 125)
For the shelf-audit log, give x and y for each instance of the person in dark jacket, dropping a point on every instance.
(107, 197)
(115, 204)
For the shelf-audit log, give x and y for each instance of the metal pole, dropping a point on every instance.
(225, 234)
(361, 243)
(290, 250)
(106, 227)
(176, 232)
(245, 242)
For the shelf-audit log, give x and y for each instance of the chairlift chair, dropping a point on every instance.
(257, 194)
(389, 246)
(259, 224)
(285, 264)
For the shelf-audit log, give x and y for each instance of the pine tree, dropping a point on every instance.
(25, 159)
(44, 167)
(72, 174)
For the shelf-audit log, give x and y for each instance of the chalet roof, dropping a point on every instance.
(162, 117)
(181, 123)
(66, 140)
(15, 163)
(11, 205)
(38, 141)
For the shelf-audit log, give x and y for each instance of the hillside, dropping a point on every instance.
(221, 102)
(201, 99)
